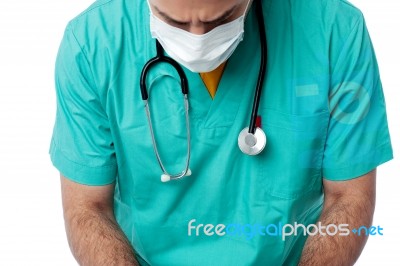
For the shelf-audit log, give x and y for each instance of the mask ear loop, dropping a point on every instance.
(247, 8)
(148, 4)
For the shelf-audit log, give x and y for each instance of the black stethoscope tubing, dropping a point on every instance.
(161, 58)
(263, 66)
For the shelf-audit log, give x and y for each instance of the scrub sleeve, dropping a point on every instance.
(81, 146)
(358, 138)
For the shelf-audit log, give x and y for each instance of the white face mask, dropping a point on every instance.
(199, 53)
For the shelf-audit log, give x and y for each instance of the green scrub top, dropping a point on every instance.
(322, 109)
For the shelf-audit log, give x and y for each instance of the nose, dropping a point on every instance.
(199, 29)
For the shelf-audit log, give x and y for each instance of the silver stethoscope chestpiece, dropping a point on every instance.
(252, 144)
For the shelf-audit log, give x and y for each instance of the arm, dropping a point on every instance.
(346, 202)
(93, 234)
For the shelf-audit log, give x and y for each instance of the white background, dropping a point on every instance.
(31, 223)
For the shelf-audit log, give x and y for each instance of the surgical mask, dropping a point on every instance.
(199, 53)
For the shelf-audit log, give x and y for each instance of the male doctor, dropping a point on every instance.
(322, 110)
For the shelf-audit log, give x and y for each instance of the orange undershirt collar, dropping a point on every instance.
(211, 79)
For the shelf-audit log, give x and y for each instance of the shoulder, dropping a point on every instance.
(344, 13)
(104, 38)
(101, 9)
(325, 13)
(105, 19)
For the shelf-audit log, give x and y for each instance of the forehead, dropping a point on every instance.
(184, 6)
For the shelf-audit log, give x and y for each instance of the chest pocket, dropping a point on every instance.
(292, 160)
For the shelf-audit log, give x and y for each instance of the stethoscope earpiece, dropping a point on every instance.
(167, 177)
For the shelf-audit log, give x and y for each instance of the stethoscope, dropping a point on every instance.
(251, 140)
